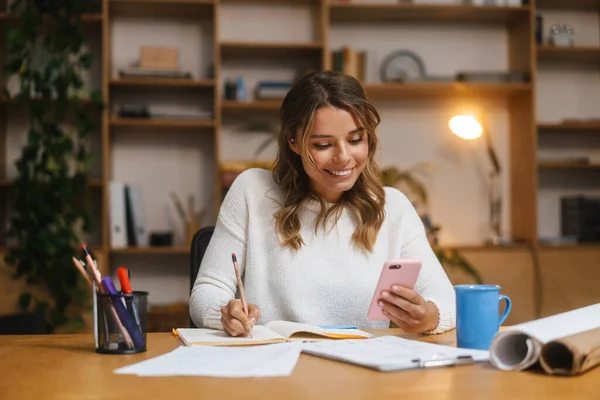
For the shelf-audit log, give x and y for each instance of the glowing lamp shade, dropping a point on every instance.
(465, 127)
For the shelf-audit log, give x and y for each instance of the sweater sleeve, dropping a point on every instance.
(433, 283)
(216, 284)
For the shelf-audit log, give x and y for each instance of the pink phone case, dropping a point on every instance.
(403, 272)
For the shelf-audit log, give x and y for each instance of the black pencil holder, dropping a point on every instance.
(120, 322)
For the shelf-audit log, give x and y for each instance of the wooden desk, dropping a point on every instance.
(66, 367)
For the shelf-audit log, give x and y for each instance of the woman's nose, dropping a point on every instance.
(342, 155)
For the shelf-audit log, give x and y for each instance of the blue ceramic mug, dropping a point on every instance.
(478, 315)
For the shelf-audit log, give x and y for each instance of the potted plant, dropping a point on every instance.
(48, 197)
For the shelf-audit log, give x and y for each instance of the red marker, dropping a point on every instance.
(124, 279)
(123, 274)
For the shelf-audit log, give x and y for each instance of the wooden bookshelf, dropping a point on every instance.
(161, 123)
(250, 106)
(152, 250)
(162, 82)
(581, 54)
(390, 12)
(571, 126)
(522, 55)
(579, 5)
(269, 50)
(442, 89)
(567, 165)
(277, 2)
(185, 9)
(569, 246)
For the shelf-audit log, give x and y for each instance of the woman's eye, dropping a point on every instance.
(356, 140)
(321, 146)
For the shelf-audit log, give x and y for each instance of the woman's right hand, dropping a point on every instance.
(234, 320)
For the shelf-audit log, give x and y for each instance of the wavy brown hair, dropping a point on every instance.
(366, 199)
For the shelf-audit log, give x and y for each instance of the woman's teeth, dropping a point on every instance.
(345, 172)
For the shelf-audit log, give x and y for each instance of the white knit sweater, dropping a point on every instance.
(328, 281)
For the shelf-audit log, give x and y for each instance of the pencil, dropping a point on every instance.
(83, 271)
(239, 283)
(238, 276)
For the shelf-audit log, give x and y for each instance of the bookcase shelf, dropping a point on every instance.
(269, 50)
(585, 55)
(161, 123)
(567, 165)
(162, 82)
(250, 106)
(589, 5)
(185, 9)
(152, 250)
(517, 22)
(385, 12)
(284, 2)
(583, 126)
(433, 89)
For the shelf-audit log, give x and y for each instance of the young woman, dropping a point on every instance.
(311, 236)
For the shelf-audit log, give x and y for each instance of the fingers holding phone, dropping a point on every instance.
(407, 309)
(401, 272)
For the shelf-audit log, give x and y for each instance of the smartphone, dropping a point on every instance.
(403, 272)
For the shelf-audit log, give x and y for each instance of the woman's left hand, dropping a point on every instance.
(407, 309)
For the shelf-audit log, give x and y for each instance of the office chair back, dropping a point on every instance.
(200, 242)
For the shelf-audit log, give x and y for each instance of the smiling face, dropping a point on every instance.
(339, 150)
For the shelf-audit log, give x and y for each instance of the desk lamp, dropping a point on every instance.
(468, 127)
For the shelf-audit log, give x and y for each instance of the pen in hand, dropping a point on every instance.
(238, 277)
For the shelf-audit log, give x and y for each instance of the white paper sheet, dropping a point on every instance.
(388, 353)
(228, 362)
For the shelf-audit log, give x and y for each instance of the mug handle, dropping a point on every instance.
(506, 309)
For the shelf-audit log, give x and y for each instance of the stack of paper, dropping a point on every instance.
(260, 361)
(390, 353)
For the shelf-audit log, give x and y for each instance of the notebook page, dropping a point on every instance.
(193, 336)
(388, 353)
(228, 362)
(287, 329)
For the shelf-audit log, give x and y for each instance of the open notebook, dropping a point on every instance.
(272, 332)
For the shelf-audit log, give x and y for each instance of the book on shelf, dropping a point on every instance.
(350, 62)
(156, 111)
(139, 72)
(127, 216)
(272, 90)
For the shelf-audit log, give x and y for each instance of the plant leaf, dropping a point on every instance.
(24, 301)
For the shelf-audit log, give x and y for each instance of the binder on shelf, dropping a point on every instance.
(137, 234)
(117, 217)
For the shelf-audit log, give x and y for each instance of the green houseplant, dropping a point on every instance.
(48, 198)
